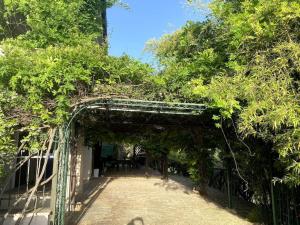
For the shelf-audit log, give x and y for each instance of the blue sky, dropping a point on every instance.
(130, 29)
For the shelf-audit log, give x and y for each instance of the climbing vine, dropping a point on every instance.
(53, 54)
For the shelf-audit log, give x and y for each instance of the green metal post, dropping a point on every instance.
(64, 176)
(288, 202)
(60, 207)
(54, 186)
(273, 205)
(295, 209)
(54, 179)
(147, 164)
(229, 196)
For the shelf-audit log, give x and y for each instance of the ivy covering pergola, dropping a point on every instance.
(105, 106)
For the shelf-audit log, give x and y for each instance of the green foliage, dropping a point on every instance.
(52, 22)
(7, 126)
(49, 60)
(7, 145)
(244, 61)
(257, 25)
(191, 52)
(126, 70)
(50, 75)
(264, 48)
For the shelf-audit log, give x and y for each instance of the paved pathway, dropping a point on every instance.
(150, 201)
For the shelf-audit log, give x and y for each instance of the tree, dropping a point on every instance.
(244, 61)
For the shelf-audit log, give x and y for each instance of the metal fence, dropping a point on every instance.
(14, 193)
(286, 204)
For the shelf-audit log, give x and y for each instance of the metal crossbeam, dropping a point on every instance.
(155, 107)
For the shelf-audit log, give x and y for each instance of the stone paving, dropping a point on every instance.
(149, 201)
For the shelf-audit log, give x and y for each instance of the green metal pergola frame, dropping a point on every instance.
(143, 106)
(62, 151)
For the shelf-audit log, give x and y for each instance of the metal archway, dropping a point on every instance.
(66, 131)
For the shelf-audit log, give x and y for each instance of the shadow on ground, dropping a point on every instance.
(96, 186)
(130, 172)
(170, 185)
(91, 192)
(136, 221)
(240, 208)
(175, 183)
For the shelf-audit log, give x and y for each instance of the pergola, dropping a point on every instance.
(115, 113)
